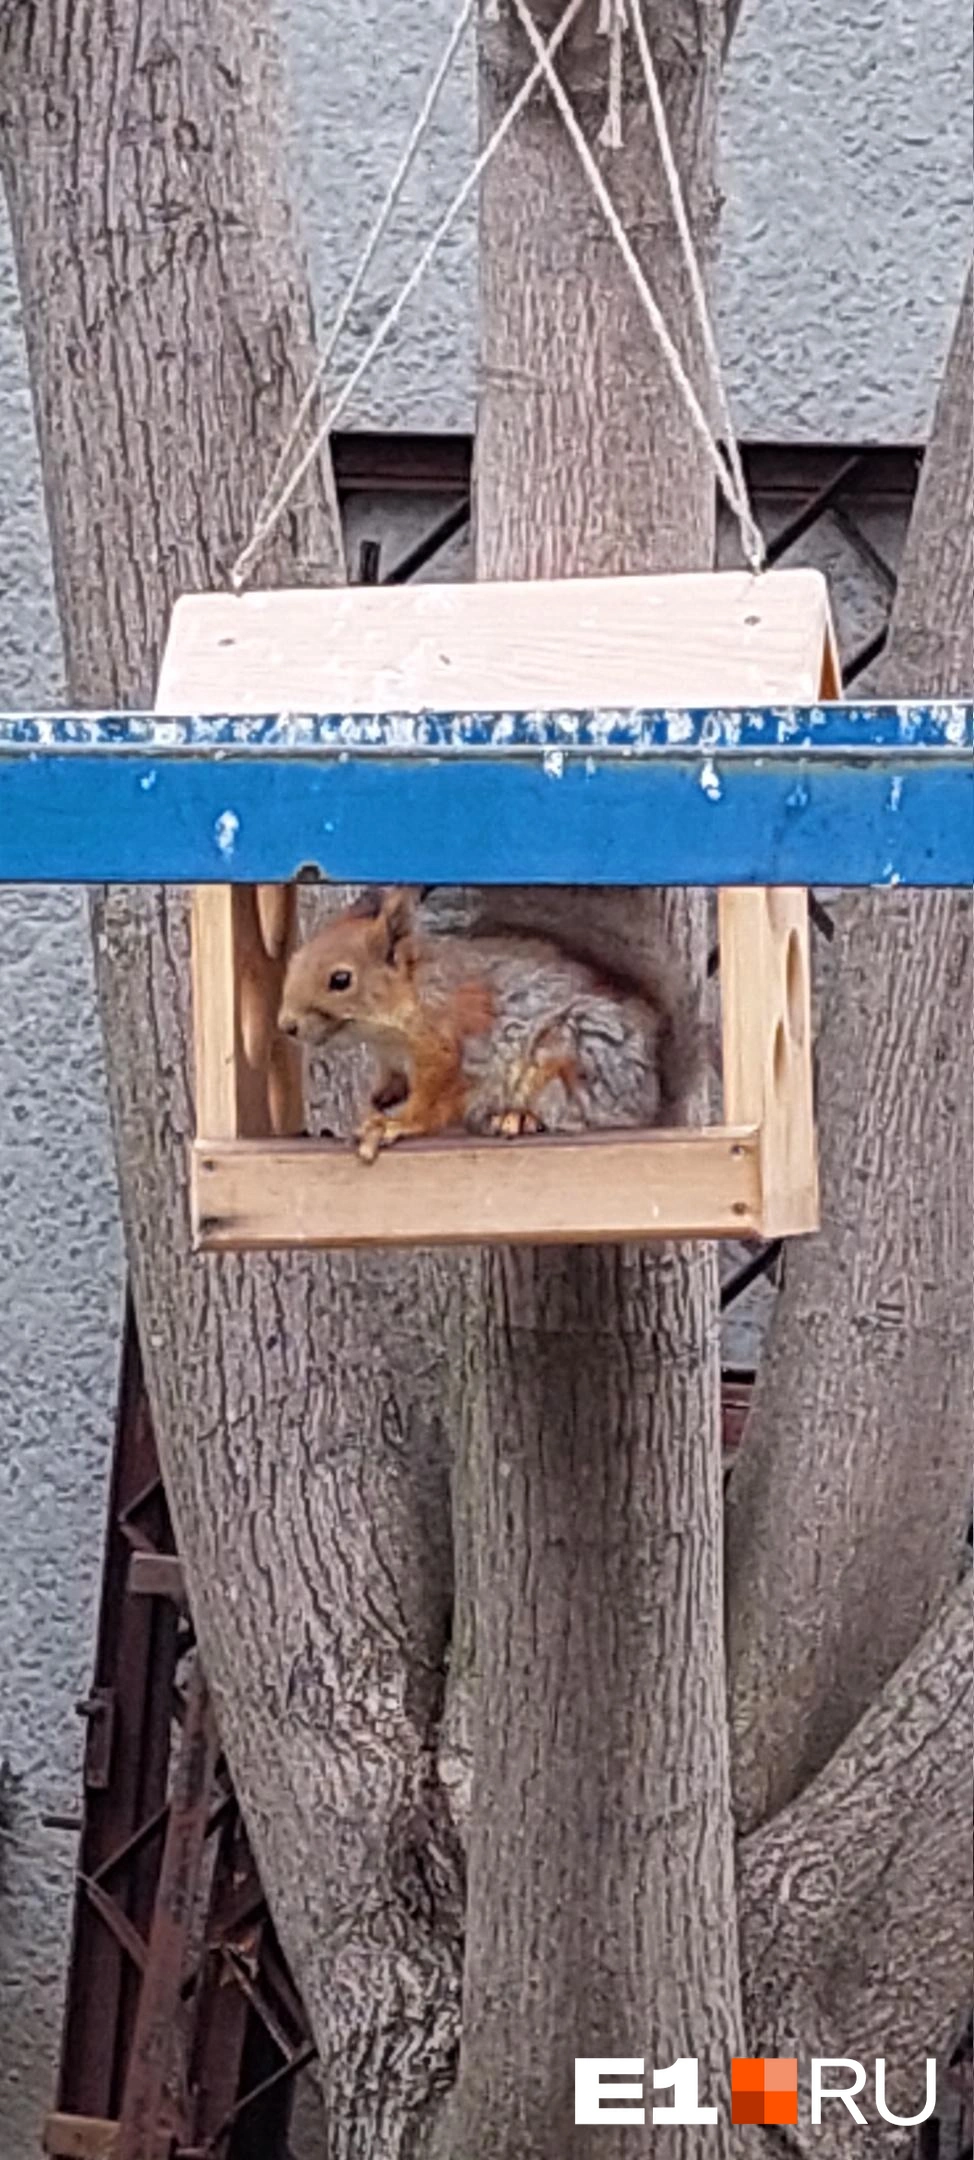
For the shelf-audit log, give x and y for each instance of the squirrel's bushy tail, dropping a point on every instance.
(647, 969)
(682, 1051)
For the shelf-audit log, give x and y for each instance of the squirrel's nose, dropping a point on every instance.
(287, 1027)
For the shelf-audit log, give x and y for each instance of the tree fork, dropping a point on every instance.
(883, 1831)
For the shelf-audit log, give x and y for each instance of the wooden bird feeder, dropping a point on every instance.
(435, 700)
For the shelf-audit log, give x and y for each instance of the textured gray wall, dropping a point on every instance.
(847, 170)
(60, 1290)
(848, 174)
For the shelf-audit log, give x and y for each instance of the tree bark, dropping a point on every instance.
(298, 1403)
(600, 1908)
(850, 1501)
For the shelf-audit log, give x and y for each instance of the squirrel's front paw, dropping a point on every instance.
(372, 1135)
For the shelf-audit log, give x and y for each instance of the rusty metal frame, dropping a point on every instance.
(150, 2012)
(125, 1786)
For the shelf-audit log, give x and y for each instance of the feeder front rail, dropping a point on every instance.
(814, 794)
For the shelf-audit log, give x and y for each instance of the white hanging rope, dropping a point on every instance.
(737, 501)
(359, 274)
(612, 23)
(265, 524)
(752, 539)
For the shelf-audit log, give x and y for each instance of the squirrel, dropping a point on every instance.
(494, 1034)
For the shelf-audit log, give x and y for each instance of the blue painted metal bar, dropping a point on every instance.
(824, 794)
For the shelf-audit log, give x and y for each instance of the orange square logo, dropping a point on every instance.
(764, 2089)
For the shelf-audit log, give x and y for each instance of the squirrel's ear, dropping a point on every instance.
(397, 917)
(369, 905)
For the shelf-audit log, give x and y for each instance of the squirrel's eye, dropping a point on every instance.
(340, 980)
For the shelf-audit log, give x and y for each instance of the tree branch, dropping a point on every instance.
(869, 1874)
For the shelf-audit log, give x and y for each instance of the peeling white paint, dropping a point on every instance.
(225, 832)
(710, 781)
(553, 763)
(895, 791)
(679, 726)
(942, 726)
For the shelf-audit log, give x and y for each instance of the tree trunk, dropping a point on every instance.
(843, 1539)
(851, 1498)
(297, 1402)
(600, 1907)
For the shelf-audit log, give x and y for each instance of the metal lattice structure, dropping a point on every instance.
(174, 1967)
(183, 2032)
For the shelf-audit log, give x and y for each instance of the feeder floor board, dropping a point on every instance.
(252, 1195)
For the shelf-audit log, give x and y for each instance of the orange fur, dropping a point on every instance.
(472, 1008)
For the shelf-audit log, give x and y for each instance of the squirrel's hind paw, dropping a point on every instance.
(511, 1124)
